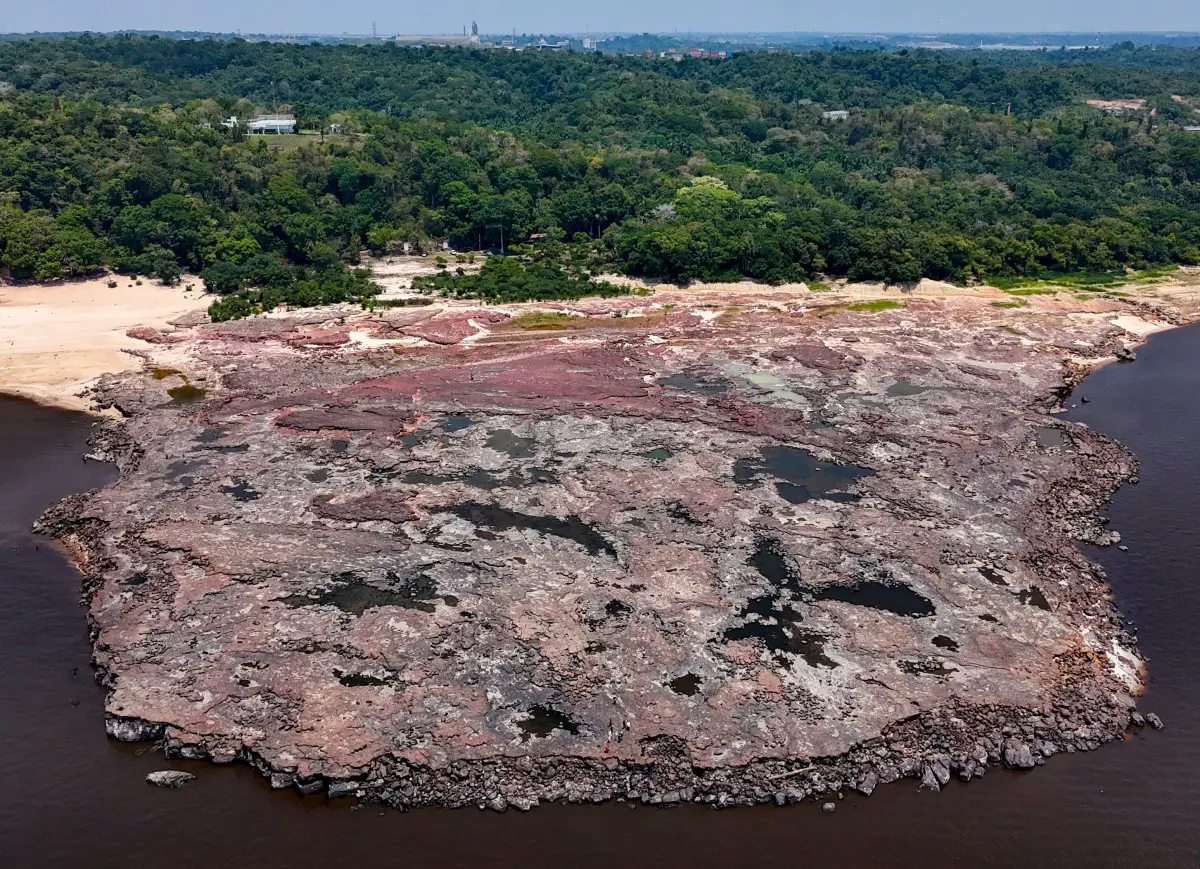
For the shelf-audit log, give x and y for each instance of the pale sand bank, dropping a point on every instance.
(55, 339)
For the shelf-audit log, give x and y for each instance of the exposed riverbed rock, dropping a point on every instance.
(716, 553)
(169, 778)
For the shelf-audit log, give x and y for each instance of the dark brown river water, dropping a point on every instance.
(71, 798)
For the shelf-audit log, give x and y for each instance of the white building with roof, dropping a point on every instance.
(275, 124)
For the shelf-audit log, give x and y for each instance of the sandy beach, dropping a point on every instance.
(57, 338)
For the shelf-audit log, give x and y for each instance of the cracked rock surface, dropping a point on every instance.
(721, 548)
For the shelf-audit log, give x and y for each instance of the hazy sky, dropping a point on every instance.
(542, 16)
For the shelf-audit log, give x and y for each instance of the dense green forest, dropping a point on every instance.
(959, 166)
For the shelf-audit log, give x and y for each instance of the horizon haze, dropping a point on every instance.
(625, 16)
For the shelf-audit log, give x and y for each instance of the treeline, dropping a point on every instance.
(957, 166)
(507, 279)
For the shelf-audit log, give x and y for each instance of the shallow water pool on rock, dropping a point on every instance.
(799, 475)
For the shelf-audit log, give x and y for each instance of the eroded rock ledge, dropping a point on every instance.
(727, 549)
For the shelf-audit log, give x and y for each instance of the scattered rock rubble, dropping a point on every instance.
(711, 549)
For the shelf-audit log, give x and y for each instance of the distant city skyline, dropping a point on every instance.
(630, 16)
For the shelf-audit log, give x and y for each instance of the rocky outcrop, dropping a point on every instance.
(169, 778)
(746, 556)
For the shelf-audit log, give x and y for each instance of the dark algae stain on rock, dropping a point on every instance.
(1051, 438)
(926, 667)
(893, 597)
(1034, 596)
(688, 685)
(457, 422)
(354, 594)
(800, 476)
(500, 519)
(993, 576)
(540, 722)
(508, 442)
(903, 388)
(774, 619)
(359, 680)
(241, 490)
(702, 384)
(186, 393)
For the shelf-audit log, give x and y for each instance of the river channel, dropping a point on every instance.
(69, 797)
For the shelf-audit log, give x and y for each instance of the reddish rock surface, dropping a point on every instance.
(717, 555)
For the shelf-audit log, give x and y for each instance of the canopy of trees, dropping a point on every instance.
(956, 166)
(506, 279)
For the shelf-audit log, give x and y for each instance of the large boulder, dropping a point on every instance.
(169, 778)
(1017, 755)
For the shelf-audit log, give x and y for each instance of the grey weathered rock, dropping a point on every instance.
(342, 789)
(942, 770)
(497, 803)
(1125, 354)
(829, 807)
(868, 783)
(1137, 719)
(1154, 721)
(131, 729)
(929, 781)
(169, 778)
(1017, 755)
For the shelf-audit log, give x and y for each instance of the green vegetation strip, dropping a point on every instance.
(507, 279)
(875, 305)
(113, 156)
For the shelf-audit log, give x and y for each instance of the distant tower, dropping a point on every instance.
(474, 29)
(374, 32)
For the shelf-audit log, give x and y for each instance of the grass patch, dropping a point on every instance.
(547, 320)
(294, 141)
(372, 304)
(819, 286)
(1015, 303)
(875, 305)
(1091, 281)
(1032, 291)
(1154, 273)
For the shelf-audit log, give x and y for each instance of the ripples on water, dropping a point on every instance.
(69, 797)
